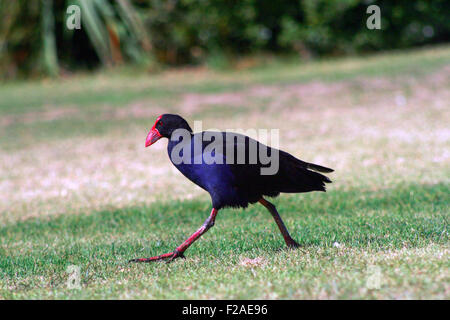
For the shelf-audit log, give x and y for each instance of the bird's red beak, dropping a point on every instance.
(152, 137)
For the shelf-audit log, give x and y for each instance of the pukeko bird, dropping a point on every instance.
(233, 179)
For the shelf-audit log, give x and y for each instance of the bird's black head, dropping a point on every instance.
(164, 126)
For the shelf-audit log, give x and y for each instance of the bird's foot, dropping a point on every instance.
(169, 256)
(293, 244)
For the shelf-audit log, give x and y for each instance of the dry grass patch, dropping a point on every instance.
(373, 131)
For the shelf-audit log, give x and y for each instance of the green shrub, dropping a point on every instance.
(178, 32)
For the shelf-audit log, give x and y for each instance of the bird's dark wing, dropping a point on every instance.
(293, 175)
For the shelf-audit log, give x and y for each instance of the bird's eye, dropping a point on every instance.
(160, 122)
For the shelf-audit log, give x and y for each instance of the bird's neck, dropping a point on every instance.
(183, 141)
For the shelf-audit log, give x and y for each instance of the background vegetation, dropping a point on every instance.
(34, 38)
(79, 188)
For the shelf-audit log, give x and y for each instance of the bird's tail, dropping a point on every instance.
(304, 180)
(302, 176)
(318, 168)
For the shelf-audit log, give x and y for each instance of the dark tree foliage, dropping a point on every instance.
(196, 31)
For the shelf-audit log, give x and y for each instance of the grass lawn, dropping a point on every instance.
(79, 188)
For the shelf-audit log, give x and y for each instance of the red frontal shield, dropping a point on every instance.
(153, 135)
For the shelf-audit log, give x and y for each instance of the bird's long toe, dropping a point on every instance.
(176, 254)
(169, 256)
(151, 259)
(293, 245)
(155, 258)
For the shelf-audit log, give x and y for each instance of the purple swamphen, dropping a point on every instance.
(230, 173)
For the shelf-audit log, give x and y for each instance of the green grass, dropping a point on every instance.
(369, 227)
(78, 188)
(88, 91)
(92, 99)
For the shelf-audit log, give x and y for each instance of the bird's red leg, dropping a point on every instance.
(287, 237)
(178, 252)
